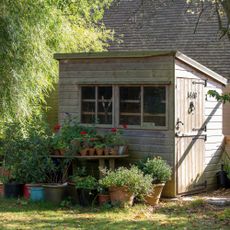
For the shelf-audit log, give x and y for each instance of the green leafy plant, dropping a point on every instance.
(26, 151)
(72, 132)
(157, 168)
(114, 138)
(88, 182)
(133, 178)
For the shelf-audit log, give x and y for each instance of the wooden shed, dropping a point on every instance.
(161, 97)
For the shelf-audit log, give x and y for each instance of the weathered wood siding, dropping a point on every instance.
(151, 70)
(213, 119)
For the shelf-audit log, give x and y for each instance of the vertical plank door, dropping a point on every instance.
(190, 135)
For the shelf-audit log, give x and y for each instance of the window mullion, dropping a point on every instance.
(116, 109)
(96, 105)
(142, 104)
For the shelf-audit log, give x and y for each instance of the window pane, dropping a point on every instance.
(155, 105)
(105, 94)
(88, 92)
(130, 105)
(88, 105)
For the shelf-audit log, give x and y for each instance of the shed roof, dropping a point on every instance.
(134, 54)
(165, 25)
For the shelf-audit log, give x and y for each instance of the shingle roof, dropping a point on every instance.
(153, 25)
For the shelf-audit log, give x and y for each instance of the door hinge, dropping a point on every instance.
(201, 129)
(200, 83)
(203, 137)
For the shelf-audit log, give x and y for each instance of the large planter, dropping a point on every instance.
(222, 180)
(27, 189)
(54, 193)
(154, 197)
(72, 193)
(13, 190)
(121, 195)
(87, 197)
(37, 193)
(103, 199)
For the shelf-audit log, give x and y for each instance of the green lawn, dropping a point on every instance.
(194, 215)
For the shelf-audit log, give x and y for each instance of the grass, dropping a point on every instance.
(19, 214)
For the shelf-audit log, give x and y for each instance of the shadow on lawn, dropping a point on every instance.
(195, 215)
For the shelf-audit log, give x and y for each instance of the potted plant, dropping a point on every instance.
(87, 189)
(103, 195)
(124, 184)
(27, 155)
(115, 141)
(100, 148)
(57, 177)
(160, 172)
(72, 137)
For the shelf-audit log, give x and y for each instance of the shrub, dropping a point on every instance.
(88, 182)
(135, 181)
(158, 168)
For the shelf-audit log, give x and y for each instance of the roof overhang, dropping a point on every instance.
(191, 62)
(135, 54)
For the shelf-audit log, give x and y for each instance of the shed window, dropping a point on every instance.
(136, 106)
(143, 106)
(96, 104)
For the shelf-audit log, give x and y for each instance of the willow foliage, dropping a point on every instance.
(30, 32)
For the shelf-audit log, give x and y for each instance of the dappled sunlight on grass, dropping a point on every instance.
(23, 215)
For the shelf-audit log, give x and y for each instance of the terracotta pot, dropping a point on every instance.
(106, 150)
(91, 151)
(154, 197)
(84, 152)
(114, 150)
(121, 195)
(103, 199)
(99, 151)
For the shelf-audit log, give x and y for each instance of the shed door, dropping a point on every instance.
(190, 135)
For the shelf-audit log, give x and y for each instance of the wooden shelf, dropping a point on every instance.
(91, 157)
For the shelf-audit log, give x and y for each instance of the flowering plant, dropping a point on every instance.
(114, 138)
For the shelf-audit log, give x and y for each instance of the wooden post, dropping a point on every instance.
(111, 164)
(101, 166)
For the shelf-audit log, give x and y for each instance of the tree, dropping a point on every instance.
(31, 31)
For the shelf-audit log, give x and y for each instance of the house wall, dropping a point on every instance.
(213, 118)
(151, 70)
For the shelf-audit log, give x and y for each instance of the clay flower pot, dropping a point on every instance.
(91, 151)
(106, 150)
(99, 151)
(114, 150)
(121, 195)
(103, 199)
(84, 152)
(154, 197)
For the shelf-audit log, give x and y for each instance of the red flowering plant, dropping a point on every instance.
(65, 135)
(114, 138)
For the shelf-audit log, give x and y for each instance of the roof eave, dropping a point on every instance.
(201, 68)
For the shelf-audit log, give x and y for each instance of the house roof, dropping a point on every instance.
(165, 25)
(126, 54)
